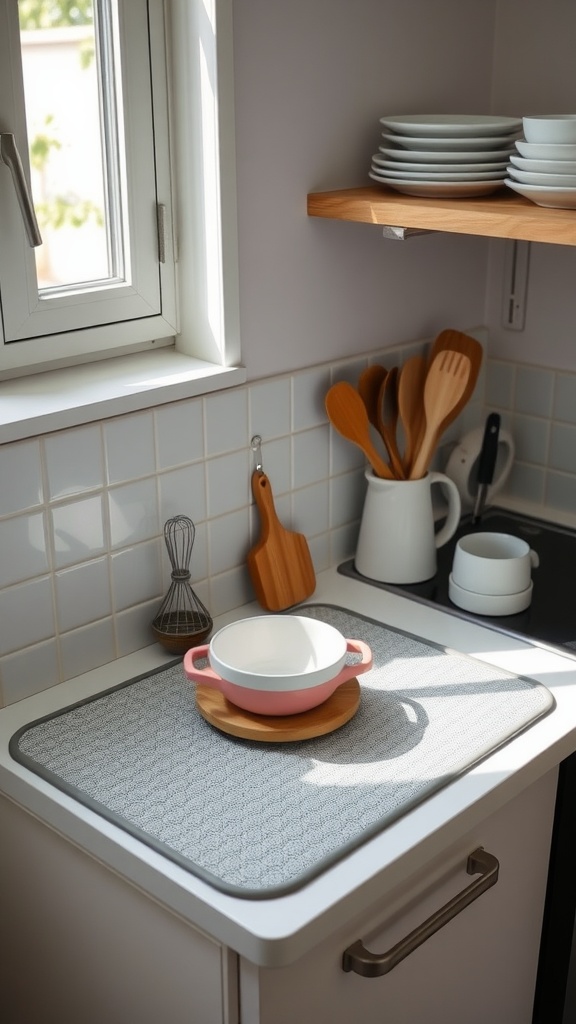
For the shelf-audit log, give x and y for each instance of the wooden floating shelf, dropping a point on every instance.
(503, 215)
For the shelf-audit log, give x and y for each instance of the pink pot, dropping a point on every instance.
(280, 701)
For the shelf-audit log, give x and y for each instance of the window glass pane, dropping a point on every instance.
(68, 115)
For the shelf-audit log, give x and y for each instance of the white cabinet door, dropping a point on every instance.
(480, 967)
(78, 945)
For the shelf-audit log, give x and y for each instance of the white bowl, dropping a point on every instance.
(555, 128)
(549, 180)
(543, 151)
(277, 664)
(289, 652)
(544, 166)
(489, 604)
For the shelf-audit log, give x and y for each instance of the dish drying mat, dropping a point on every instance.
(261, 820)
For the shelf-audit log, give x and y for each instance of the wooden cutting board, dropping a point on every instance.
(326, 718)
(280, 563)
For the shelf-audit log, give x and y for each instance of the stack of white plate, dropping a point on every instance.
(545, 173)
(446, 155)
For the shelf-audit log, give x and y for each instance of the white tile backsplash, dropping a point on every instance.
(21, 484)
(82, 594)
(83, 574)
(23, 547)
(129, 447)
(78, 531)
(74, 461)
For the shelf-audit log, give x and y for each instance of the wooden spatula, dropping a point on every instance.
(457, 341)
(369, 384)
(388, 420)
(280, 563)
(347, 413)
(411, 407)
(445, 384)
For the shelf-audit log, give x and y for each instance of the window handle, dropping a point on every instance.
(11, 157)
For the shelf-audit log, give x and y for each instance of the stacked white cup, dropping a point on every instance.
(492, 574)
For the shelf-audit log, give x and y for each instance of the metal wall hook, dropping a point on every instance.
(256, 445)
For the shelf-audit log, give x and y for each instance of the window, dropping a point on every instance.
(77, 100)
(110, 111)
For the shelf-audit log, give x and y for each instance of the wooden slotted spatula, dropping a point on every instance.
(445, 384)
(280, 563)
(457, 341)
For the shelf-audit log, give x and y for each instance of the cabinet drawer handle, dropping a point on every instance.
(372, 965)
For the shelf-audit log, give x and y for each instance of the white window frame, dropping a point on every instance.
(204, 353)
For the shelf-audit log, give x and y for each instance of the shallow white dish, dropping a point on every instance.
(438, 176)
(448, 125)
(488, 142)
(555, 198)
(430, 156)
(541, 151)
(424, 169)
(555, 128)
(543, 166)
(489, 604)
(549, 180)
(440, 189)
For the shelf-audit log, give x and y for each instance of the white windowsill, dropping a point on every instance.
(58, 399)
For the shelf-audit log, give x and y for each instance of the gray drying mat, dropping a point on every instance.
(260, 820)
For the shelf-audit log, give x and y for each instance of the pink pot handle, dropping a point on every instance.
(207, 676)
(350, 671)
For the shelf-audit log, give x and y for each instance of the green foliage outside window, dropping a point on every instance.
(36, 14)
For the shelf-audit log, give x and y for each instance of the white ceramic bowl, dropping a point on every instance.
(543, 151)
(543, 166)
(549, 180)
(555, 128)
(489, 604)
(277, 664)
(292, 651)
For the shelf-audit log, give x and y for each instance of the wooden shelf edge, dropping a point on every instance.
(502, 215)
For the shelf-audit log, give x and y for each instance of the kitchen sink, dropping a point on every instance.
(550, 618)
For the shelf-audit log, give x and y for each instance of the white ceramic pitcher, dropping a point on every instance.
(397, 542)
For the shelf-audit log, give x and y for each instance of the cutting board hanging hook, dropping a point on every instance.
(256, 445)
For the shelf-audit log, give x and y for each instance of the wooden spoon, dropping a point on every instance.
(388, 420)
(347, 414)
(410, 406)
(369, 383)
(457, 341)
(445, 384)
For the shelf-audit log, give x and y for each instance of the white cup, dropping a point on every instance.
(493, 563)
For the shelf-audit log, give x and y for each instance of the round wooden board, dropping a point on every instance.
(334, 712)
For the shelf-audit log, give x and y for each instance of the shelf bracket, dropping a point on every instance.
(402, 234)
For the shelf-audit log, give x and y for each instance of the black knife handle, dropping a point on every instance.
(489, 451)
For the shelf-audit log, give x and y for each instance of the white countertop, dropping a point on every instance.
(277, 931)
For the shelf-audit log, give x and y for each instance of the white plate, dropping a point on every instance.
(440, 189)
(424, 156)
(550, 180)
(542, 151)
(488, 604)
(544, 166)
(437, 168)
(420, 175)
(450, 125)
(489, 142)
(555, 198)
